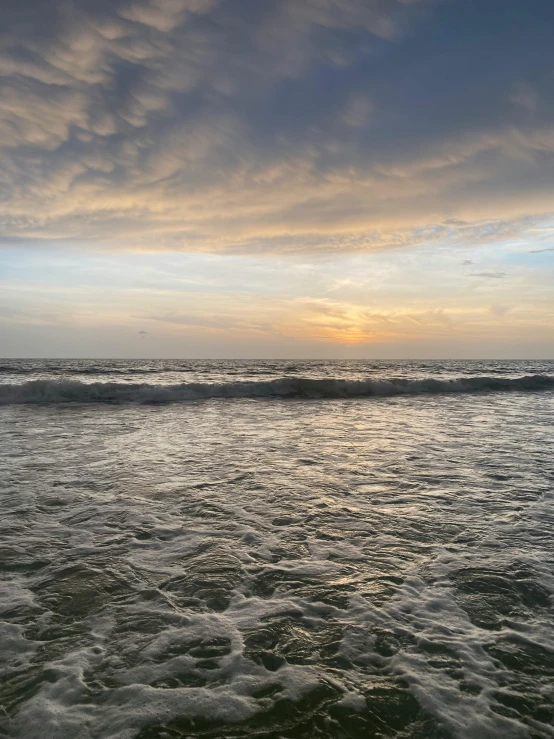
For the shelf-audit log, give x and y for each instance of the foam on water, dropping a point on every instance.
(286, 570)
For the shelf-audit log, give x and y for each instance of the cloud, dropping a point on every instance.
(357, 112)
(320, 125)
(541, 251)
(490, 275)
(216, 322)
(163, 15)
(499, 311)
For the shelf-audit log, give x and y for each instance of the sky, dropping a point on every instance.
(277, 178)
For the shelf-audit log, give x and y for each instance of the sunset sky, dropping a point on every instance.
(277, 178)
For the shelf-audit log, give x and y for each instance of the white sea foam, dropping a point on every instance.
(170, 565)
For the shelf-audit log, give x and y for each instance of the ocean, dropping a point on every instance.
(278, 549)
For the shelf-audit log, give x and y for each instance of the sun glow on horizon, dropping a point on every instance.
(318, 177)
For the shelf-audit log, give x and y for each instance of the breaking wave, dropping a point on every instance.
(68, 391)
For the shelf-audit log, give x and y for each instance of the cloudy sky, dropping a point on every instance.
(277, 178)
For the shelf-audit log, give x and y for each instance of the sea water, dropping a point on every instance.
(276, 549)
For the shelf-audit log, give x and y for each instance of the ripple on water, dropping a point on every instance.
(280, 570)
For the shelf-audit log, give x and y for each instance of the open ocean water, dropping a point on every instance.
(273, 549)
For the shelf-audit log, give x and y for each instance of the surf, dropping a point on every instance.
(74, 391)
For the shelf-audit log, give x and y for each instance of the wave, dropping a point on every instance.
(94, 370)
(70, 391)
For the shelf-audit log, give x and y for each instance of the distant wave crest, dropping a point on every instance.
(67, 391)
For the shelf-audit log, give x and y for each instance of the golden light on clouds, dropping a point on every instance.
(298, 176)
